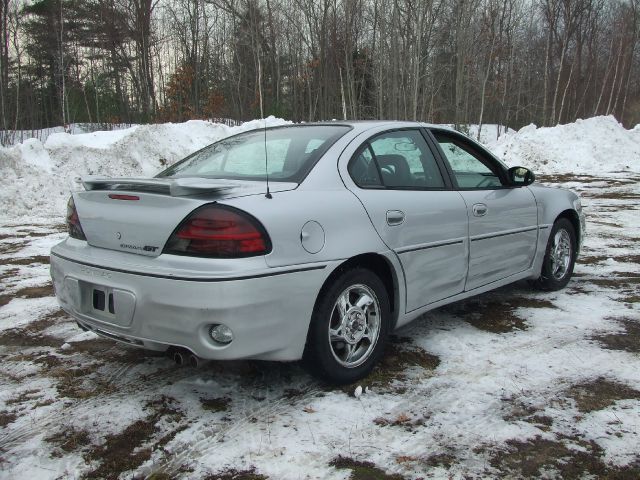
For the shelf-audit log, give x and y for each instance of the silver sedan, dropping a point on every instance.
(310, 241)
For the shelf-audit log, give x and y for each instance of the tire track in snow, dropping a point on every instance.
(207, 441)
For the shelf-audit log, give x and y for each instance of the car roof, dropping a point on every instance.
(363, 125)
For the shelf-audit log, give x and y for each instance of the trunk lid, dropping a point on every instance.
(137, 215)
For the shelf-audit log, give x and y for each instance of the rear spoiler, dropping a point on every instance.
(176, 187)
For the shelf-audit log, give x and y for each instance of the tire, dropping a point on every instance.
(359, 335)
(556, 271)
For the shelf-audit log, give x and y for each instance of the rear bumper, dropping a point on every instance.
(268, 312)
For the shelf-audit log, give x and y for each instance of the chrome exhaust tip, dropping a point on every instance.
(197, 362)
(178, 357)
(194, 361)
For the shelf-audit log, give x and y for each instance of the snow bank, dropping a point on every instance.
(37, 177)
(592, 146)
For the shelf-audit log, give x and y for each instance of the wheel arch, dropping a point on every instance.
(382, 267)
(573, 217)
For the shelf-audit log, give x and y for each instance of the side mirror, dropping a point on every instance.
(520, 176)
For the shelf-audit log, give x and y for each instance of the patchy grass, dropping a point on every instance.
(71, 380)
(362, 470)
(627, 340)
(12, 247)
(104, 349)
(23, 397)
(6, 418)
(572, 458)
(35, 292)
(220, 404)
(443, 460)
(10, 273)
(631, 298)
(614, 282)
(123, 451)
(634, 259)
(496, 316)
(22, 337)
(69, 440)
(31, 335)
(399, 356)
(612, 195)
(520, 411)
(132, 447)
(41, 259)
(79, 383)
(237, 475)
(401, 420)
(4, 299)
(571, 177)
(600, 393)
(591, 259)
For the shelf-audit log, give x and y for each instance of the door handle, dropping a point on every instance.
(395, 217)
(480, 210)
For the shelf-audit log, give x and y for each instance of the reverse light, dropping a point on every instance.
(73, 221)
(219, 231)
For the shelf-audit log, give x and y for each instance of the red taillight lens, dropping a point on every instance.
(219, 231)
(73, 222)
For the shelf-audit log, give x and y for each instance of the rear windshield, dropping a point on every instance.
(291, 152)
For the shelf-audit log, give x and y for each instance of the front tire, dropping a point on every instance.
(349, 327)
(559, 258)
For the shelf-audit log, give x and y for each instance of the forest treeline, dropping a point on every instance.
(510, 62)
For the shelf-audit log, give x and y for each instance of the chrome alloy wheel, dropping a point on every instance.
(354, 326)
(560, 254)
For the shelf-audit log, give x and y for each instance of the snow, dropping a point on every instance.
(586, 147)
(37, 178)
(278, 419)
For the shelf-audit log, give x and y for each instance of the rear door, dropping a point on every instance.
(398, 179)
(503, 220)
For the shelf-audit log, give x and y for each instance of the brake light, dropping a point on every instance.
(114, 196)
(219, 231)
(73, 221)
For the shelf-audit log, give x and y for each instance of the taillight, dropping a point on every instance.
(219, 231)
(73, 222)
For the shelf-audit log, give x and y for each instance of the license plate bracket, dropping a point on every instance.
(103, 301)
(106, 303)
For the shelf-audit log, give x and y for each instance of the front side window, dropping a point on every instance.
(287, 153)
(469, 168)
(399, 159)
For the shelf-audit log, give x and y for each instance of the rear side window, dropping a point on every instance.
(287, 153)
(399, 159)
(364, 170)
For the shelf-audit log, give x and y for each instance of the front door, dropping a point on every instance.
(415, 212)
(503, 220)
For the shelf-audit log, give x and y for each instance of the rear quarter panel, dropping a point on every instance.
(346, 228)
(323, 198)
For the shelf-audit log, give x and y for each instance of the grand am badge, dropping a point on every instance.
(145, 248)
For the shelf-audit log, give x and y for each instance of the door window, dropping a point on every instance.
(399, 159)
(471, 170)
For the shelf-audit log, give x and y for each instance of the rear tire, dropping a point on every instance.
(349, 327)
(559, 257)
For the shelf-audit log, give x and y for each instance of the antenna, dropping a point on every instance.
(266, 162)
